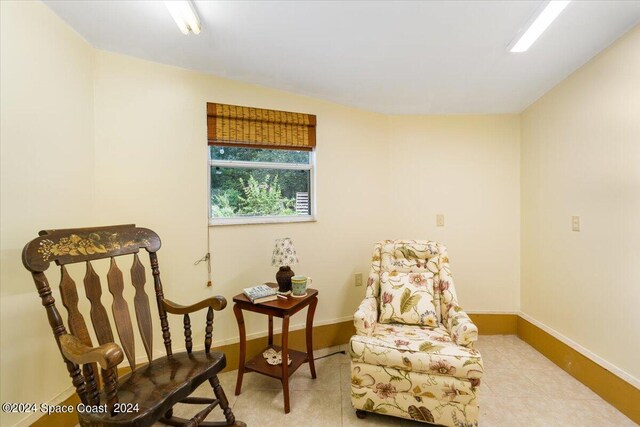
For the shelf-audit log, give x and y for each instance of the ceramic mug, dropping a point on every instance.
(299, 285)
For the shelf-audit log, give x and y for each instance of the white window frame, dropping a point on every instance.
(235, 220)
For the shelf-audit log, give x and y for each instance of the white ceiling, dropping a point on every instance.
(433, 57)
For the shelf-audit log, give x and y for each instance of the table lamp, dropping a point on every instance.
(284, 256)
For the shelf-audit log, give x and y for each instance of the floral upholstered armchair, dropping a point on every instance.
(412, 355)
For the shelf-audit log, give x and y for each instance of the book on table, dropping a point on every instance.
(260, 293)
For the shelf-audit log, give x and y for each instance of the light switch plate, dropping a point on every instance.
(575, 223)
(439, 220)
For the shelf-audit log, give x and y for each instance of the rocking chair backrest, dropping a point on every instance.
(72, 246)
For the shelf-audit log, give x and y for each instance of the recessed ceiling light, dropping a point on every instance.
(185, 15)
(544, 19)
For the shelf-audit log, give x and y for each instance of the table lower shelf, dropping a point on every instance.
(259, 363)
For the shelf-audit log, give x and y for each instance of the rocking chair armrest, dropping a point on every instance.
(107, 355)
(218, 303)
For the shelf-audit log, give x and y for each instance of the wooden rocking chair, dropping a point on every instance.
(148, 393)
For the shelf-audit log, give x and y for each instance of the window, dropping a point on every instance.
(257, 185)
(261, 165)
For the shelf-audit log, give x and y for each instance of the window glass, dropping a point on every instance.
(258, 155)
(254, 183)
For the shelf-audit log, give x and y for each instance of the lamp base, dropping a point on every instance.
(283, 277)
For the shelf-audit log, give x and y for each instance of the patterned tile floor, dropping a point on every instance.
(520, 388)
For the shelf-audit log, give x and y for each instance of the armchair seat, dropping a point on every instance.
(417, 349)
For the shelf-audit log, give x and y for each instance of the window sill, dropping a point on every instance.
(261, 220)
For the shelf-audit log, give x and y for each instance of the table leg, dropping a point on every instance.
(270, 330)
(243, 346)
(309, 335)
(285, 364)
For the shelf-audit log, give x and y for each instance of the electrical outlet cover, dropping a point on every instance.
(358, 278)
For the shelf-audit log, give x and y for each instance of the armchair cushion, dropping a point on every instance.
(417, 349)
(407, 298)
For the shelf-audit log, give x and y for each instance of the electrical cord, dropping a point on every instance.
(330, 354)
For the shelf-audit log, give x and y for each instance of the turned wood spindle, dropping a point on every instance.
(93, 391)
(110, 387)
(208, 330)
(224, 403)
(164, 323)
(188, 342)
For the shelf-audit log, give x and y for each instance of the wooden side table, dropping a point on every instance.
(283, 309)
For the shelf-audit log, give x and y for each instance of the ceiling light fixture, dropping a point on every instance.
(183, 12)
(541, 23)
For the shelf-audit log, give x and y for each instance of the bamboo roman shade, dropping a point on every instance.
(232, 125)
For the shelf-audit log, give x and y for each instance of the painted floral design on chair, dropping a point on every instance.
(408, 367)
(73, 245)
(89, 244)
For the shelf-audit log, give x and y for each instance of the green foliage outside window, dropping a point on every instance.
(242, 191)
(259, 199)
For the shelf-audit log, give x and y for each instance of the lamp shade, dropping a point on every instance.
(284, 253)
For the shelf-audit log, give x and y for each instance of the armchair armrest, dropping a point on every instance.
(217, 303)
(462, 329)
(366, 317)
(107, 355)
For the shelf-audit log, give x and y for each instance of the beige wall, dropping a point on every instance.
(90, 137)
(151, 123)
(581, 156)
(154, 112)
(466, 168)
(46, 172)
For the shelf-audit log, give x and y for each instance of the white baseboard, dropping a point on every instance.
(492, 312)
(585, 352)
(33, 417)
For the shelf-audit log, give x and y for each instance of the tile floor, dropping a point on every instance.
(520, 388)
